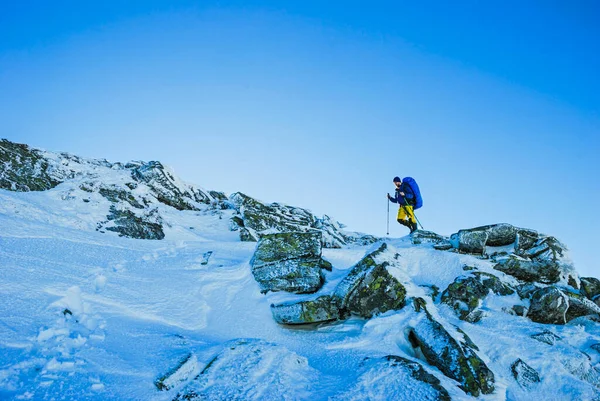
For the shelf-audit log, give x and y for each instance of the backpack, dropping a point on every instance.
(413, 185)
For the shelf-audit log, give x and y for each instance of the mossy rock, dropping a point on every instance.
(542, 271)
(290, 262)
(466, 293)
(452, 356)
(377, 292)
(590, 287)
(548, 305)
(322, 309)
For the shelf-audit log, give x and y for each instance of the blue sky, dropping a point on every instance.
(494, 107)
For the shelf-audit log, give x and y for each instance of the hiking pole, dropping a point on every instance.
(413, 213)
(388, 217)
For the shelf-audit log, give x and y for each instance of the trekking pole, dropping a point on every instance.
(413, 213)
(388, 217)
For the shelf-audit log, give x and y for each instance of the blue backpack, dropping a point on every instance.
(413, 185)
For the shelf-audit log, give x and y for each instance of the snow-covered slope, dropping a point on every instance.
(87, 314)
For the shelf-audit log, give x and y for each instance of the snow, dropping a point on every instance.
(92, 316)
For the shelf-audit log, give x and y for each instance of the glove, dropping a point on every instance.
(389, 197)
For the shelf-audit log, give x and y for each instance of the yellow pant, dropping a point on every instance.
(406, 211)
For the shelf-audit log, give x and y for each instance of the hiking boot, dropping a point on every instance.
(413, 226)
(404, 222)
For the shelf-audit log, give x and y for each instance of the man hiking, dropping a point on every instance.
(405, 197)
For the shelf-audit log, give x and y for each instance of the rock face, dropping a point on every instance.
(455, 357)
(466, 293)
(367, 290)
(248, 369)
(128, 224)
(290, 262)
(528, 270)
(255, 219)
(590, 287)
(395, 378)
(24, 169)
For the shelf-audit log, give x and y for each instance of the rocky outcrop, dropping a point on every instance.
(454, 356)
(368, 289)
(475, 240)
(128, 224)
(249, 369)
(255, 219)
(467, 292)
(395, 378)
(546, 272)
(24, 169)
(590, 287)
(290, 262)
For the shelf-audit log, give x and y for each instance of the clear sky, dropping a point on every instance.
(493, 106)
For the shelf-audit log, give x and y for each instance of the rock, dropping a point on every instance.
(547, 272)
(116, 195)
(428, 237)
(524, 374)
(24, 169)
(501, 234)
(181, 373)
(167, 188)
(250, 370)
(590, 287)
(128, 224)
(547, 337)
(469, 241)
(289, 262)
(526, 239)
(466, 293)
(548, 305)
(321, 309)
(526, 290)
(454, 357)
(580, 306)
(394, 378)
(519, 310)
(260, 218)
(369, 288)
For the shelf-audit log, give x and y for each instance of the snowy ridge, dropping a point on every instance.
(88, 315)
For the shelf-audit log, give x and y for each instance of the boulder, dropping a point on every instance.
(466, 292)
(469, 241)
(524, 374)
(580, 306)
(455, 357)
(542, 271)
(369, 288)
(427, 237)
(590, 287)
(548, 305)
(526, 239)
(249, 369)
(290, 262)
(394, 378)
(321, 309)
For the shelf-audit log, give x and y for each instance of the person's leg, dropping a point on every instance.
(402, 216)
(412, 220)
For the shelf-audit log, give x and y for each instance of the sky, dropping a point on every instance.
(493, 107)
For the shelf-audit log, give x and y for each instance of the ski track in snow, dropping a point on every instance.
(87, 315)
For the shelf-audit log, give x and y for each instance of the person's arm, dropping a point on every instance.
(393, 200)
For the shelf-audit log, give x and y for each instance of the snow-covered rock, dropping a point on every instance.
(290, 262)
(251, 369)
(394, 378)
(455, 357)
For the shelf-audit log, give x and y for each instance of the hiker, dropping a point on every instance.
(405, 197)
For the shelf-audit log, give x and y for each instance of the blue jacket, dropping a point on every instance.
(409, 195)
